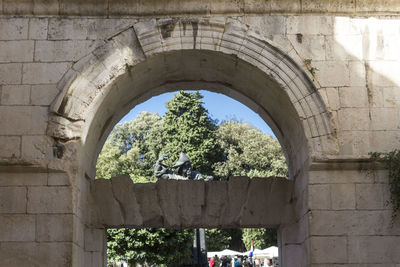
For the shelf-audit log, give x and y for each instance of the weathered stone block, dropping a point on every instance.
(309, 25)
(347, 99)
(86, 29)
(70, 130)
(379, 143)
(146, 196)
(94, 258)
(53, 51)
(309, 46)
(267, 25)
(14, 28)
(323, 6)
(17, 227)
(34, 253)
(37, 73)
(274, 193)
(169, 202)
(107, 207)
(191, 200)
(10, 73)
(15, 94)
(328, 249)
(43, 94)
(37, 147)
(354, 143)
(372, 196)
(344, 47)
(391, 96)
(357, 73)
(10, 147)
(368, 222)
(332, 73)
(54, 228)
(383, 72)
(38, 28)
(124, 193)
(295, 232)
(385, 119)
(22, 178)
(237, 195)
(17, 120)
(129, 47)
(94, 7)
(343, 196)
(16, 51)
(67, 29)
(353, 119)
(216, 205)
(333, 98)
(42, 7)
(285, 6)
(95, 239)
(11, 7)
(58, 178)
(292, 253)
(79, 230)
(50, 199)
(319, 196)
(366, 249)
(78, 253)
(12, 199)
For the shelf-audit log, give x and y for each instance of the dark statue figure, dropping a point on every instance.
(181, 170)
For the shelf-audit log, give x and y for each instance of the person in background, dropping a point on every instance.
(217, 261)
(237, 262)
(211, 262)
(225, 262)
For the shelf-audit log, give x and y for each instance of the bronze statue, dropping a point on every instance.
(181, 170)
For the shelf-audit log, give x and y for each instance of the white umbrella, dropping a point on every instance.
(225, 252)
(270, 252)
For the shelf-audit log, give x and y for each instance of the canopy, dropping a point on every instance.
(270, 252)
(225, 252)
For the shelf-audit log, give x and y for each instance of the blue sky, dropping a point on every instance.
(219, 107)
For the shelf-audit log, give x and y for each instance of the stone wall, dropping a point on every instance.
(327, 83)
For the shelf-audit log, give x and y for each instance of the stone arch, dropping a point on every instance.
(222, 55)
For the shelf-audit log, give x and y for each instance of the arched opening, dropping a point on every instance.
(220, 136)
(159, 56)
(224, 149)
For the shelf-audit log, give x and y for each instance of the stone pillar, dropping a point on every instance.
(199, 248)
(293, 236)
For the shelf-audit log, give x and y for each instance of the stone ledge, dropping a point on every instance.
(195, 7)
(345, 163)
(117, 202)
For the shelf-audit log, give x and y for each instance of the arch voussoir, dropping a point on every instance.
(113, 66)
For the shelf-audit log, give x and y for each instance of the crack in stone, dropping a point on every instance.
(121, 205)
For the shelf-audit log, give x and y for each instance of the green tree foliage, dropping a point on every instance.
(220, 239)
(261, 237)
(132, 148)
(188, 128)
(217, 239)
(248, 152)
(154, 246)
